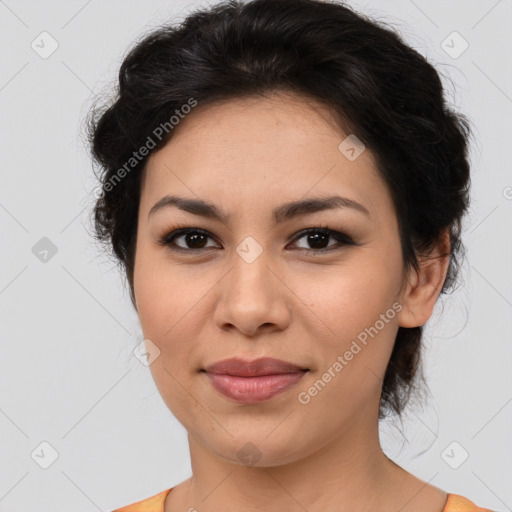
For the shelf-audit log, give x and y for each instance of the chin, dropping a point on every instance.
(259, 450)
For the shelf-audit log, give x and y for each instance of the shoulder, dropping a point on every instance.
(454, 503)
(153, 504)
(457, 503)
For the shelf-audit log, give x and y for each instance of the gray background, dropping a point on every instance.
(67, 373)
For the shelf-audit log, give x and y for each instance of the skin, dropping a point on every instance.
(247, 156)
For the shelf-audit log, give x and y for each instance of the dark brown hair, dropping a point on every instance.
(384, 92)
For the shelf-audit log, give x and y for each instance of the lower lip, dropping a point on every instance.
(254, 389)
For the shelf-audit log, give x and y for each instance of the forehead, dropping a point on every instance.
(260, 148)
(271, 119)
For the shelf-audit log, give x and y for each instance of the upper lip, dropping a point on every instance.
(257, 367)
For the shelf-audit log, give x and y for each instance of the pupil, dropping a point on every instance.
(314, 240)
(192, 238)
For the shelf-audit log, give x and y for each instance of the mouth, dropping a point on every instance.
(253, 381)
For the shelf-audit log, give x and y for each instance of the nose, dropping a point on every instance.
(253, 298)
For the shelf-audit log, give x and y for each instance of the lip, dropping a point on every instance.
(262, 366)
(253, 381)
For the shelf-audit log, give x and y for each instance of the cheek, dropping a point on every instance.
(165, 301)
(353, 312)
(158, 304)
(351, 363)
(343, 301)
(157, 287)
(171, 304)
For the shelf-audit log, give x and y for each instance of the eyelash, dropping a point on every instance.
(167, 240)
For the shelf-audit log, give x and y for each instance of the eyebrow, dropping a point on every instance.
(282, 213)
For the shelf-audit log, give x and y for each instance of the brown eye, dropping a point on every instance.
(317, 240)
(190, 239)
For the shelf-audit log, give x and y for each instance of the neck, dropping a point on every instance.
(351, 470)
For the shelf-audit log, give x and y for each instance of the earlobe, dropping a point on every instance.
(424, 285)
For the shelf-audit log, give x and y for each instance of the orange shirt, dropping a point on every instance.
(455, 503)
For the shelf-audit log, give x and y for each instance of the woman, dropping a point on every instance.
(284, 187)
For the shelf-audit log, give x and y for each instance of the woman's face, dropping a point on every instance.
(251, 287)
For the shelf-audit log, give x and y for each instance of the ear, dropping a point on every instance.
(424, 286)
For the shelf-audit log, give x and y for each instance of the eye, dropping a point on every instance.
(195, 239)
(318, 238)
